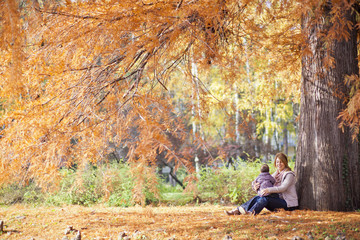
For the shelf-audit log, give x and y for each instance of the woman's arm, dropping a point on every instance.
(288, 181)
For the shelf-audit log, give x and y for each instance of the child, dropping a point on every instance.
(264, 179)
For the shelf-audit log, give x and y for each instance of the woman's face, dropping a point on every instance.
(279, 164)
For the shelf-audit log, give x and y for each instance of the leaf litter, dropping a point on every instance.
(167, 222)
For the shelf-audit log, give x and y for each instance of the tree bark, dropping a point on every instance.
(327, 160)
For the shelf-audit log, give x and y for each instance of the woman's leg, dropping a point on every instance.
(244, 208)
(270, 203)
(249, 204)
(259, 205)
(276, 203)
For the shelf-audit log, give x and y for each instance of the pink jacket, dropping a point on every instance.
(287, 189)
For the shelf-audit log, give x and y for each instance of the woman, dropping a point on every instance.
(285, 187)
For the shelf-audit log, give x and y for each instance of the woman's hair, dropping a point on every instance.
(283, 158)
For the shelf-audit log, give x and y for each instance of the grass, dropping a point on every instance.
(204, 221)
(114, 185)
(29, 213)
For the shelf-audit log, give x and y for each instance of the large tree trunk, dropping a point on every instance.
(327, 161)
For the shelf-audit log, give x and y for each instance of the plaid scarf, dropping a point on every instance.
(279, 176)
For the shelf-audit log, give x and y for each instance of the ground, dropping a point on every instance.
(185, 222)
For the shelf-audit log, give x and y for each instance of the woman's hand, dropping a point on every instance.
(264, 192)
(256, 186)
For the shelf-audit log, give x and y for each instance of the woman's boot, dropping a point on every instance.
(233, 212)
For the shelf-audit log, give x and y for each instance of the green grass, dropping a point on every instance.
(113, 185)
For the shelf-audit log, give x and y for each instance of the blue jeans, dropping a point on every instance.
(257, 203)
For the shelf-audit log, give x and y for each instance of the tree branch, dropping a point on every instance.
(172, 173)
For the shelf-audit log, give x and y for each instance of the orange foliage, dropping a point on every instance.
(94, 73)
(351, 115)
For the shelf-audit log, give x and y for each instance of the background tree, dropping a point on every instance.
(327, 158)
(103, 74)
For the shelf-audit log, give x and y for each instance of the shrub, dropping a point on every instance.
(77, 188)
(113, 184)
(18, 193)
(228, 184)
(110, 183)
(121, 185)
